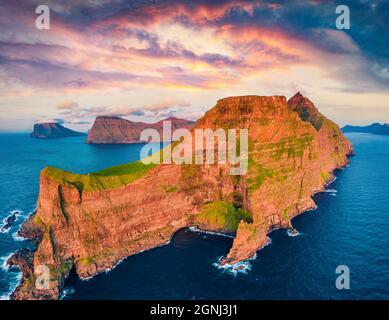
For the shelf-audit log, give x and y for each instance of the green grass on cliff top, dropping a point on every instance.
(109, 178)
(222, 215)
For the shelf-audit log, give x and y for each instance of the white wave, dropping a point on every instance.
(290, 234)
(234, 269)
(331, 191)
(3, 262)
(66, 292)
(13, 285)
(241, 266)
(16, 212)
(312, 209)
(118, 263)
(195, 229)
(16, 237)
(86, 279)
(331, 181)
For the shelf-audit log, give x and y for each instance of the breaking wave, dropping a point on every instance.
(291, 234)
(234, 269)
(239, 267)
(66, 292)
(14, 277)
(194, 229)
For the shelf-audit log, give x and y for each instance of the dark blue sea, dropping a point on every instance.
(350, 227)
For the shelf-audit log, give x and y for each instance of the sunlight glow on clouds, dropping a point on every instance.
(131, 58)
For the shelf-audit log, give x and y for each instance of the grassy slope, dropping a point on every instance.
(109, 178)
(222, 215)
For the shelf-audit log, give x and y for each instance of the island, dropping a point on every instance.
(90, 222)
(53, 130)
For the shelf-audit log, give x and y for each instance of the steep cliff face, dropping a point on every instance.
(53, 130)
(93, 221)
(117, 130)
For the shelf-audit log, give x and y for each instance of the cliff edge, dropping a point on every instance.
(90, 222)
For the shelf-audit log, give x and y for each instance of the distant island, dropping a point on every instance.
(53, 130)
(375, 128)
(115, 130)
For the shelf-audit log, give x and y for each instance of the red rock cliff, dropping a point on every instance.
(290, 158)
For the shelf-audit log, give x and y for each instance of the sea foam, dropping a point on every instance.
(3, 262)
(290, 234)
(15, 278)
(239, 267)
(197, 230)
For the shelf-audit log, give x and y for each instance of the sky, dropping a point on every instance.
(147, 60)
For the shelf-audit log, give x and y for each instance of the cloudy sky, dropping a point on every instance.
(146, 60)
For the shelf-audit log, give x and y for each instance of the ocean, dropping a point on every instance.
(349, 227)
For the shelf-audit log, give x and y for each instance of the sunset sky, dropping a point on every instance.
(146, 60)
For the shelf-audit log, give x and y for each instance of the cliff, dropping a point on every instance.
(117, 130)
(90, 222)
(53, 130)
(375, 128)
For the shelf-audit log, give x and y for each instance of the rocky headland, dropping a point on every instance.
(91, 222)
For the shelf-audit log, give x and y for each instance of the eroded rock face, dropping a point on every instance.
(107, 130)
(289, 159)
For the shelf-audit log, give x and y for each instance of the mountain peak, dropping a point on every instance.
(299, 98)
(306, 110)
(298, 95)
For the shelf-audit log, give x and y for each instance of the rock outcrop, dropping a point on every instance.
(53, 130)
(90, 222)
(107, 130)
(9, 221)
